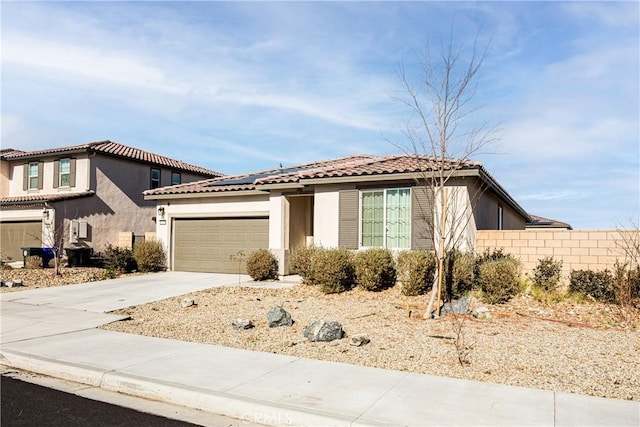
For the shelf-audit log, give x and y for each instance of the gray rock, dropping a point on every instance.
(242, 324)
(321, 330)
(481, 313)
(278, 316)
(359, 340)
(457, 306)
(187, 302)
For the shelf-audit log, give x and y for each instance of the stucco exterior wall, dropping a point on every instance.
(5, 177)
(82, 176)
(326, 216)
(578, 249)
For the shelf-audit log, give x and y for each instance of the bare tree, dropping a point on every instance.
(443, 139)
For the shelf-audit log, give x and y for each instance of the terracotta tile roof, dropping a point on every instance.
(34, 199)
(352, 166)
(118, 150)
(7, 152)
(541, 222)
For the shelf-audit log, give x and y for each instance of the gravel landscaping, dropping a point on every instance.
(589, 348)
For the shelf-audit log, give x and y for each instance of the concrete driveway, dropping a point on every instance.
(109, 295)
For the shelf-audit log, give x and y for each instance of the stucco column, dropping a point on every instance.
(279, 230)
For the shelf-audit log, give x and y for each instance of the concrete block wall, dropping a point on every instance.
(578, 249)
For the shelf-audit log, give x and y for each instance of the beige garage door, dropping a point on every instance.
(208, 245)
(17, 235)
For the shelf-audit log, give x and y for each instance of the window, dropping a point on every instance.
(33, 175)
(64, 176)
(385, 219)
(175, 178)
(500, 218)
(155, 178)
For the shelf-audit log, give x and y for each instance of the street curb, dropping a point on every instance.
(226, 404)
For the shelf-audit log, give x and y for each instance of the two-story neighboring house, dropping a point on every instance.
(91, 194)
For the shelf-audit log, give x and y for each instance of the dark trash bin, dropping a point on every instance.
(78, 257)
(46, 254)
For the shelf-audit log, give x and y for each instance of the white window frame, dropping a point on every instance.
(68, 174)
(154, 180)
(384, 216)
(500, 218)
(31, 177)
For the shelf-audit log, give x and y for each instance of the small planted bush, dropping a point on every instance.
(150, 256)
(597, 284)
(333, 270)
(375, 269)
(459, 274)
(499, 279)
(415, 271)
(119, 260)
(262, 265)
(546, 275)
(301, 262)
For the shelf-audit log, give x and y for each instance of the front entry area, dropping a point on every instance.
(214, 245)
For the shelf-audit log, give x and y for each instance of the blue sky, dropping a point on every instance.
(242, 86)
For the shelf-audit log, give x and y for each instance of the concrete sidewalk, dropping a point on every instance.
(266, 388)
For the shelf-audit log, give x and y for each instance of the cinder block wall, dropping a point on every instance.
(578, 249)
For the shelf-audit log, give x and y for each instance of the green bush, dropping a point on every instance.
(301, 262)
(499, 279)
(597, 284)
(333, 270)
(262, 265)
(119, 260)
(150, 256)
(546, 275)
(415, 271)
(375, 269)
(459, 274)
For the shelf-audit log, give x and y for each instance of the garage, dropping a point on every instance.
(210, 244)
(16, 235)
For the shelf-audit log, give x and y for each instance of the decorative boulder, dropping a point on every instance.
(187, 302)
(359, 340)
(457, 306)
(481, 313)
(278, 316)
(242, 324)
(321, 330)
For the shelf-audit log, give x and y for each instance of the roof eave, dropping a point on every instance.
(201, 195)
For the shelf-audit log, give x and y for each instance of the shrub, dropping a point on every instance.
(150, 256)
(597, 284)
(262, 265)
(120, 260)
(415, 271)
(459, 274)
(499, 279)
(333, 270)
(375, 269)
(546, 275)
(33, 262)
(301, 261)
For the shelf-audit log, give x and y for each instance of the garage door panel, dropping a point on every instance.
(16, 235)
(208, 245)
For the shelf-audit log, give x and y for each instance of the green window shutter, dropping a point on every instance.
(348, 219)
(56, 173)
(72, 172)
(422, 218)
(25, 177)
(40, 175)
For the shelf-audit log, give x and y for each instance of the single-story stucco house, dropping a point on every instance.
(353, 202)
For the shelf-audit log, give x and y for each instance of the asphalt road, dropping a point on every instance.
(27, 404)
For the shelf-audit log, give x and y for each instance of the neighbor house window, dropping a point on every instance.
(385, 218)
(175, 178)
(33, 175)
(64, 176)
(155, 178)
(500, 218)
